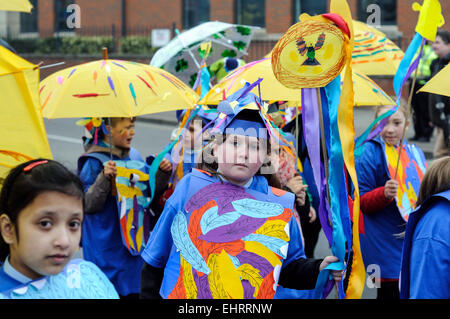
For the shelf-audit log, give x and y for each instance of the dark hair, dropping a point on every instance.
(22, 187)
(444, 35)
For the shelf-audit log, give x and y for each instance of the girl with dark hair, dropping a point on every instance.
(41, 211)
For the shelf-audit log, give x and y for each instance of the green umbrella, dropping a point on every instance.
(182, 56)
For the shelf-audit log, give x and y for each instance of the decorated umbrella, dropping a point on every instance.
(439, 83)
(310, 57)
(116, 88)
(366, 91)
(16, 5)
(21, 125)
(374, 53)
(113, 88)
(183, 55)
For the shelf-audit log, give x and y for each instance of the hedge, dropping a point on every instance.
(83, 45)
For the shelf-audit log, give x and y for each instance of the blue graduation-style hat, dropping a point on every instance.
(227, 119)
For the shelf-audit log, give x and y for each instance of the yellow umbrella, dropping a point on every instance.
(21, 124)
(366, 91)
(439, 83)
(16, 5)
(113, 88)
(374, 53)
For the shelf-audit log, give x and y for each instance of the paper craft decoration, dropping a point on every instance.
(410, 174)
(430, 18)
(310, 54)
(328, 129)
(230, 242)
(133, 203)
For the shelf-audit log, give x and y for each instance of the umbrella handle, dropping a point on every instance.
(113, 181)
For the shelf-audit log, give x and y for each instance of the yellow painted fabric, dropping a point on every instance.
(373, 53)
(439, 83)
(430, 18)
(16, 5)
(21, 124)
(366, 92)
(347, 134)
(113, 88)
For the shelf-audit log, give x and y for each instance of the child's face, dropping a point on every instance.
(392, 132)
(240, 157)
(193, 137)
(122, 133)
(49, 232)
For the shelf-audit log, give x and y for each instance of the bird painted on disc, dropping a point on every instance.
(310, 50)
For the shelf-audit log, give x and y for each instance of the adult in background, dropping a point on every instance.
(439, 104)
(421, 117)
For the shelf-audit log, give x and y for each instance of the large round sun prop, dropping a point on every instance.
(310, 54)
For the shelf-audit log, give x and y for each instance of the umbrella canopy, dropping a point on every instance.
(16, 5)
(21, 124)
(374, 53)
(113, 88)
(367, 92)
(439, 83)
(7, 45)
(182, 56)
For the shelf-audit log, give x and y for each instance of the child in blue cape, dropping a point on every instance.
(41, 205)
(384, 201)
(426, 250)
(226, 232)
(102, 240)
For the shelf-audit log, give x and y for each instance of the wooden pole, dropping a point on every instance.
(113, 182)
(322, 142)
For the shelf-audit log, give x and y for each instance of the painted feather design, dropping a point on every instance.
(257, 209)
(251, 274)
(320, 41)
(211, 219)
(301, 46)
(278, 246)
(183, 243)
(224, 280)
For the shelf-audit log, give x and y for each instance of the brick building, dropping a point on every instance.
(138, 17)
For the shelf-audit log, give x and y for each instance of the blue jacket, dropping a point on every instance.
(379, 244)
(426, 251)
(101, 238)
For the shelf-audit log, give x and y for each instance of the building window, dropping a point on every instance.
(61, 15)
(251, 12)
(195, 12)
(388, 11)
(29, 21)
(311, 7)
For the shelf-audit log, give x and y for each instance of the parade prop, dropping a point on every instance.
(109, 88)
(21, 125)
(113, 88)
(367, 92)
(16, 5)
(430, 18)
(373, 53)
(183, 54)
(438, 83)
(310, 57)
